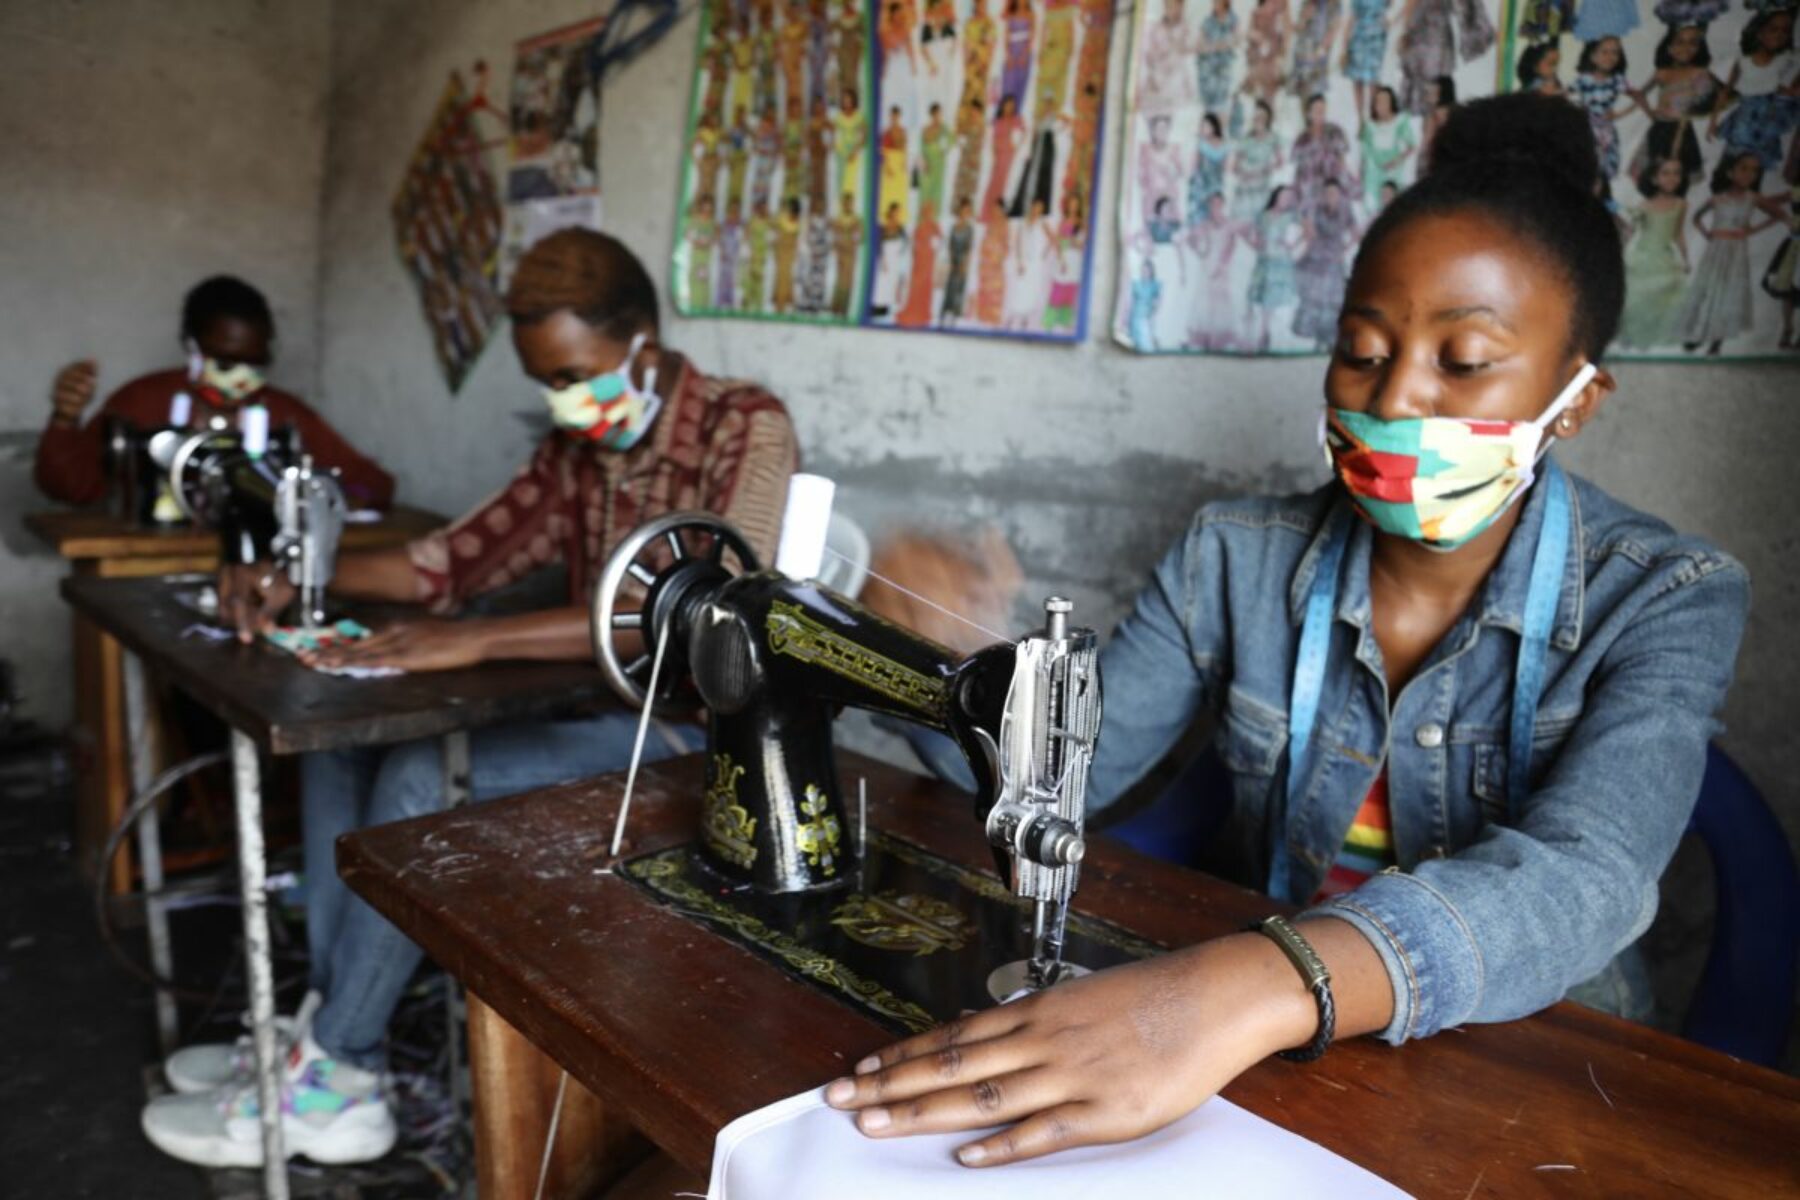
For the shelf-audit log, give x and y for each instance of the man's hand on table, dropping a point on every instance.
(416, 645)
(251, 597)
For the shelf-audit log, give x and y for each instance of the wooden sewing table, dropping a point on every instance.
(103, 545)
(665, 1025)
(277, 706)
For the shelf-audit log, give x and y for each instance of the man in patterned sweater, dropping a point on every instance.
(640, 432)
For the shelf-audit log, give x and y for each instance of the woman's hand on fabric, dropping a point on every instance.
(419, 645)
(251, 596)
(1104, 1058)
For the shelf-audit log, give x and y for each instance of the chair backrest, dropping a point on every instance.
(845, 571)
(1746, 995)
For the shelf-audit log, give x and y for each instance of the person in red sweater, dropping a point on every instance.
(228, 330)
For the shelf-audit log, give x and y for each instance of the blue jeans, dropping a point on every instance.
(361, 963)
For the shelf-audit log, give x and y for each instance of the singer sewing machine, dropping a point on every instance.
(138, 485)
(268, 505)
(773, 658)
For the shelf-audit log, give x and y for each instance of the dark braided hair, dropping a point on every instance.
(1528, 162)
(224, 296)
(588, 273)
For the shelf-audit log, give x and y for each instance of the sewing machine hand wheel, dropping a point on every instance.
(176, 452)
(682, 573)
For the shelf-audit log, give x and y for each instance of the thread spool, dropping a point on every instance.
(801, 554)
(253, 423)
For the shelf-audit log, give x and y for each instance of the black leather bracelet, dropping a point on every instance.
(1318, 981)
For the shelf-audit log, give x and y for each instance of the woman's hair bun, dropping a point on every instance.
(1525, 130)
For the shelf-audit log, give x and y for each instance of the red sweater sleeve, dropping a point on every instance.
(366, 484)
(69, 466)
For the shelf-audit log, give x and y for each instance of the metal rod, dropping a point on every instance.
(140, 738)
(246, 774)
(458, 791)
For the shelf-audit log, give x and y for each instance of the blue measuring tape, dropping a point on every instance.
(1528, 672)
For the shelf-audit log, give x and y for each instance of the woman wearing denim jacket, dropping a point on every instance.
(1415, 608)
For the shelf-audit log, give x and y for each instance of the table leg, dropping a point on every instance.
(246, 774)
(140, 738)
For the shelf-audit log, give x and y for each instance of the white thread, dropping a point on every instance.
(1595, 1080)
(906, 591)
(562, 1085)
(637, 749)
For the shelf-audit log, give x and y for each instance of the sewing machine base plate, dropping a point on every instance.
(911, 941)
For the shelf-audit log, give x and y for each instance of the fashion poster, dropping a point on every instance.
(447, 223)
(1262, 136)
(1693, 104)
(773, 218)
(553, 180)
(986, 158)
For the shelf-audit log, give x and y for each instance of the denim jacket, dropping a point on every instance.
(1482, 919)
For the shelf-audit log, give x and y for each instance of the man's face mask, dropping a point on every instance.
(1439, 480)
(608, 408)
(222, 386)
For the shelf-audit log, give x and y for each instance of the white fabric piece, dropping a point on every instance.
(801, 1149)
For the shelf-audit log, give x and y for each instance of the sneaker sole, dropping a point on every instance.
(365, 1143)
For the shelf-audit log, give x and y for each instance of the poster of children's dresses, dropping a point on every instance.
(1693, 104)
(447, 222)
(1264, 135)
(773, 194)
(553, 180)
(929, 165)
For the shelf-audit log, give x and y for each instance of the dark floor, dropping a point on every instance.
(79, 1056)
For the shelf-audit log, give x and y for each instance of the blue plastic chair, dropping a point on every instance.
(1744, 1001)
(1746, 993)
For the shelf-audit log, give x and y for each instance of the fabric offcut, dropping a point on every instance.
(802, 1149)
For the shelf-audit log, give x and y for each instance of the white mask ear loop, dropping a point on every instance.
(1563, 399)
(195, 360)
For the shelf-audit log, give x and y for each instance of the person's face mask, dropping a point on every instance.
(219, 385)
(1439, 480)
(607, 408)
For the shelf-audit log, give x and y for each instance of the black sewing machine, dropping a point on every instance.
(138, 485)
(270, 506)
(774, 658)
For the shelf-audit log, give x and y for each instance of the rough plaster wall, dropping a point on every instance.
(1089, 458)
(144, 146)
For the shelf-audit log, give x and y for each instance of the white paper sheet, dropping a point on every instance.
(800, 1149)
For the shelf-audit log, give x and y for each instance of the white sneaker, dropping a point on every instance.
(331, 1112)
(207, 1068)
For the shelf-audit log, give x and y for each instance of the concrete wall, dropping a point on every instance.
(143, 146)
(1088, 457)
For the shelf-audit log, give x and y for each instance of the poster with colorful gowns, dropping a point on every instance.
(990, 116)
(553, 179)
(948, 188)
(772, 222)
(1264, 135)
(447, 222)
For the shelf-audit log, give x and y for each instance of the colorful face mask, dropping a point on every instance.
(1438, 480)
(607, 408)
(219, 385)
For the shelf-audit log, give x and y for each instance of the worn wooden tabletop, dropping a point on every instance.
(683, 1031)
(93, 533)
(291, 709)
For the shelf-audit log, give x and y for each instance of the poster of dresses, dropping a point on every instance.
(773, 219)
(553, 179)
(1264, 135)
(987, 157)
(447, 224)
(927, 164)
